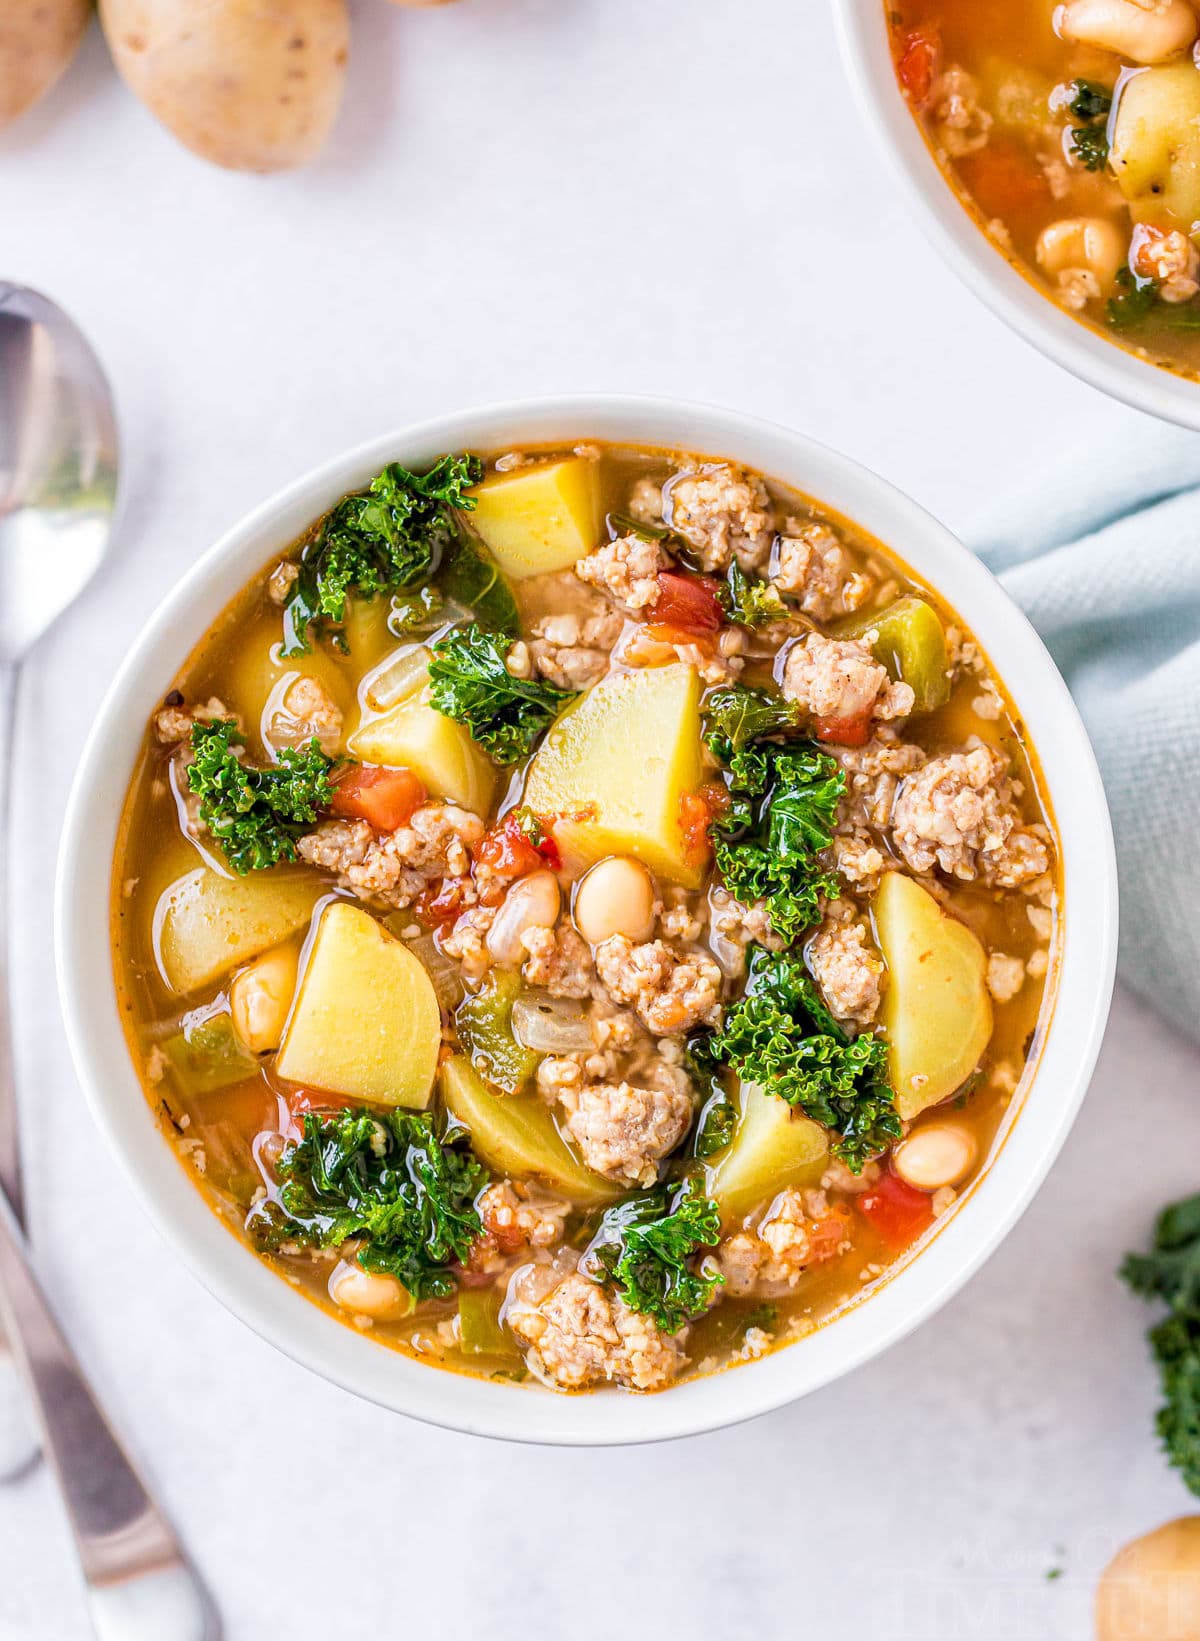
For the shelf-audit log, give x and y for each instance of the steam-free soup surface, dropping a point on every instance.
(583, 916)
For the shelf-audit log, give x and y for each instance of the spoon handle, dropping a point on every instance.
(139, 1584)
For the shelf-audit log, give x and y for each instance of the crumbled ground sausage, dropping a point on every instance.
(801, 1231)
(858, 859)
(281, 581)
(307, 712)
(1005, 976)
(1169, 258)
(466, 941)
(846, 967)
(956, 812)
(627, 570)
(671, 992)
(173, 724)
(809, 562)
(733, 927)
(580, 1335)
(963, 124)
(723, 513)
(393, 868)
(840, 679)
(572, 651)
(717, 661)
(513, 1220)
(623, 1131)
(558, 960)
(873, 776)
(645, 501)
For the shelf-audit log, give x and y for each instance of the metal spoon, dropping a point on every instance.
(58, 491)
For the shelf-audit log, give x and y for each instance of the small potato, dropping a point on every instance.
(1150, 1590)
(253, 85)
(38, 38)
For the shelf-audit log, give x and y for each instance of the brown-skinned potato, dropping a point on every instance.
(38, 38)
(252, 85)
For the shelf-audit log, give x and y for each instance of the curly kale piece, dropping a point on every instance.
(1171, 1272)
(1138, 300)
(384, 1177)
(387, 538)
(749, 600)
(1089, 145)
(645, 1245)
(256, 815)
(781, 1036)
(471, 684)
(1089, 100)
(784, 798)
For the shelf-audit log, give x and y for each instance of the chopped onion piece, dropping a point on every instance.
(398, 675)
(550, 1025)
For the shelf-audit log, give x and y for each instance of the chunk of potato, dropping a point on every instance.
(1155, 153)
(911, 643)
(206, 924)
(618, 764)
(540, 518)
(773, 1147)
(38, 38)
(1151, 1587)
(936, 1011)
(366, 1021)
(414, 735)
(249, 86)
(515, 1135)
(259, 679)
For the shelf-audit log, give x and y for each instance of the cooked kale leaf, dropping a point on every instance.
(1089, 100)
(1089, 145)
(386, 1178)
(256, 815)
(387, 538)
(749, 600)
(783, 803)
(471, 684)
(780, 1035)
(1138, 300)
(645, 1247)
(1171, 1272)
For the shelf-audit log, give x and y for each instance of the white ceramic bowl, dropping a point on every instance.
(863, 37)
(964, 1238)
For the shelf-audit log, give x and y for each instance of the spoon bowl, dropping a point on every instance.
(58, 466)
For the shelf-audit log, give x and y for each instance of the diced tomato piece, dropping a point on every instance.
(687, 602)
(441, 903)
(844, 731)
(522, 842)
(385, 798)
(918, 64)
(696, 810)
(827, 1237)
(898, 1211)
(1004, 179)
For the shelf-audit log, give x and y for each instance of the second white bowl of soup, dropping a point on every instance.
(1050, 152)
(591, 914)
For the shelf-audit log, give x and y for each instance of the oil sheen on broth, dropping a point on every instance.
(583, 916)
(1072, 132)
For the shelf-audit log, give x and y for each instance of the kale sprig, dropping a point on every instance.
(386, 538)
(1089, 102)
(386, 1178)
(783, 803)
(471, 684)
(1137, 300)
(646, 1247)
(255, 814)
(780, 1035)
(1171, 1272)
(749, 600)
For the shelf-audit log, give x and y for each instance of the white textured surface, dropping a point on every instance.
(525, 196)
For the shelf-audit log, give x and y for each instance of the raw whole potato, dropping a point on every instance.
(253, 85)
(1150, 1590)
(38, 38)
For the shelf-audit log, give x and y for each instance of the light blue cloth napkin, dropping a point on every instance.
(1106, 564)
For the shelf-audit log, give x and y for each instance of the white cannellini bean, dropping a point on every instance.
(533, 902)
(368, 1293)
(934, 1155)
(1146, 31)
(616, 897)
(1082, 242)
(260, 997)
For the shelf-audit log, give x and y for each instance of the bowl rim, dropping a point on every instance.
(243, 1283)
(961, 242)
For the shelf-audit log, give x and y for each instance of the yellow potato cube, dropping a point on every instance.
(206, 924)
(936, 1014)
(366, 1021)
(540, 518)
(621, 760)
(414, 735)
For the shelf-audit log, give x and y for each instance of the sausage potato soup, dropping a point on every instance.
(1072, 131)
(581, 915)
